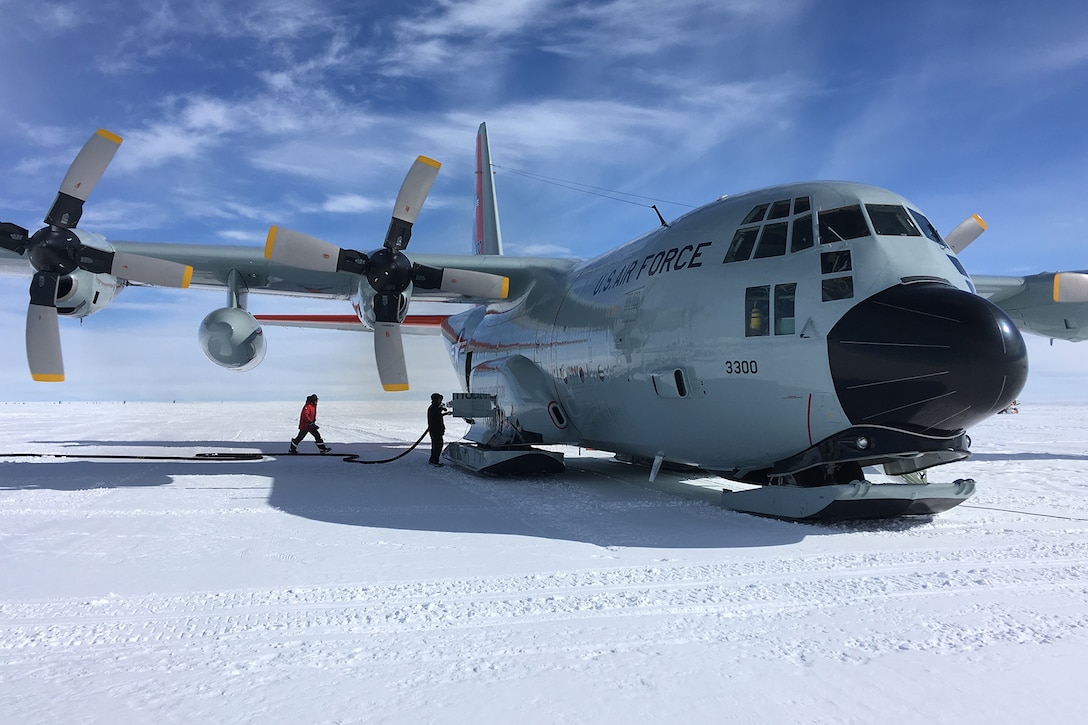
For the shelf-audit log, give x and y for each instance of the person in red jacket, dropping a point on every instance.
(307, 423)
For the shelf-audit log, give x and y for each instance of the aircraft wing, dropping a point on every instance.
(1050, 304)
(14, 265)
(997, 288)
(212, 266)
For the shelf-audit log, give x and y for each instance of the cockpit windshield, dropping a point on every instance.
(892, 220)
(838, 225)
(928, 229)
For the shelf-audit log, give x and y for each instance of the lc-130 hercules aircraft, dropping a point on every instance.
(786, 337)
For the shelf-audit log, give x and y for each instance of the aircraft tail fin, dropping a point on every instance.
(486, 239)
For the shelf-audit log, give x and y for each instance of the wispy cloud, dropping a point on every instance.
(352, 203)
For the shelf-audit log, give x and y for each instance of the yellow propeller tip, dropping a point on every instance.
(395, 387)
(109, 135)
(270, 242)
(48, 378)
(187, 278)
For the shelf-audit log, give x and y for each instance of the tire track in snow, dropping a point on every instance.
(755, 595)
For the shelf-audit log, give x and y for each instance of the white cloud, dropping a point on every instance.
(275, 19)
(352, 204)
(455, 36)
(160, 144)
(110, 214)
(241, 235)
(539, 250)
(51, 18)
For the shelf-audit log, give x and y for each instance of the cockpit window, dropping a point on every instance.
(801, 205)
(756, 215)
(772, 243)
(741, 247)
(837, 225)
(802, 232)
(928, 229)
(779, 209)
(891, 220)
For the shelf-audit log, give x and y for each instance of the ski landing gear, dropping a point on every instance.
(517, 461)
(846, 501)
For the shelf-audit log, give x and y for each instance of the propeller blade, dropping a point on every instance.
(389, 355)
(43, 353)
(149, 270)
(135, 267)
(295, 249)
(83, 175)
(13, 237)
(462, 281)
(966, 232)
(413, 192)
(1071, 287)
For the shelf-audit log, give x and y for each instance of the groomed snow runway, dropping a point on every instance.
(306, 589)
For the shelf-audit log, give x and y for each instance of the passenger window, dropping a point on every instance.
(772, 243)
(757, 305)
(741, 248)
(779, 209)
(834, 262)
(802, 233)
(891, 220)
(801, 205)
(838, 288)
(837, 225)
(756, 215)
(784, 296)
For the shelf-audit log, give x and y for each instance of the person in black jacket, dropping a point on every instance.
(436, 427)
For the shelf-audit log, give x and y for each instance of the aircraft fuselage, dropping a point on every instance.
(748, 332)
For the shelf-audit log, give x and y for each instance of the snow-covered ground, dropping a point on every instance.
(310, 590)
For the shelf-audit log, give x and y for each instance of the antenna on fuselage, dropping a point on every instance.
(659, 217)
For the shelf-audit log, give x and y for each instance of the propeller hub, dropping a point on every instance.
(389, 271)
(54, 249)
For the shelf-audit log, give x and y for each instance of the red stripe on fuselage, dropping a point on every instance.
(416, 320)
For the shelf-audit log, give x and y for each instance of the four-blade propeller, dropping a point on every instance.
(56, 250)
(388, 271)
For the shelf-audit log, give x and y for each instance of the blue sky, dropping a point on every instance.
(239, 114)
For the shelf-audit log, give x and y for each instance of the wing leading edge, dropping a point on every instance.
(1049, 304)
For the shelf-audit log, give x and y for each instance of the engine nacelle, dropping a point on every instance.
(82, 293)
(232, 338)
(363, 302)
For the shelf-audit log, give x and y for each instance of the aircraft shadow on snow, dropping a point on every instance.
(596, 501)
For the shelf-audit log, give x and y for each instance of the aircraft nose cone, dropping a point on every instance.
(926, 357)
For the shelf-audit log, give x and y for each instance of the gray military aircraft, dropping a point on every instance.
(783, 338)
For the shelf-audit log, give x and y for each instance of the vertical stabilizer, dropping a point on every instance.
(486, 238)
